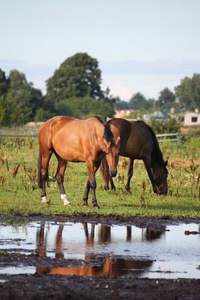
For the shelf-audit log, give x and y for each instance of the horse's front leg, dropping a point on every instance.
(130, 174)
(91, 183)
(147, 163)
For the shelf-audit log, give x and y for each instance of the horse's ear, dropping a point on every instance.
(165, 164)
(106, 143)
(118, 141)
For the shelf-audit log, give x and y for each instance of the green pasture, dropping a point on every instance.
(19, 194)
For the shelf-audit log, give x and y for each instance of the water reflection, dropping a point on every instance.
(106, 266)
(171, 252)
(103, 266)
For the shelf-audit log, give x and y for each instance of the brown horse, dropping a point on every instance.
(138, 141)
(76, 141)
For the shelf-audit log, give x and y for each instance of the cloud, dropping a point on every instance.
(11, 62)
(150, 67)
(118, 89)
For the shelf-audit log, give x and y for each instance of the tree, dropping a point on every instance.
(121, 104)
(166, 99)
(87, 107)
(78, 76)
(138, 101)
(42, 115)
(63, 108)
(21, 100)
(4, 83)
(188, 92)
(24, 95)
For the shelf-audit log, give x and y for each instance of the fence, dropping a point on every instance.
(173, 137)
(169, 137)
(18, 132)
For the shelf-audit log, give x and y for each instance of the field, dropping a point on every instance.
(20, 196)
(21, 202)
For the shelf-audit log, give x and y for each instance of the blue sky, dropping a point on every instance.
(141, 45)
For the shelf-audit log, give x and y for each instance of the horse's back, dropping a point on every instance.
(140, 142)
(136, 138)
(46, 131)
(70, 138)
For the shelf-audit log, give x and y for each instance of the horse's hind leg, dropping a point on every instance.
(130, 174)
(44, 174)
(60, 178)
(85, 196)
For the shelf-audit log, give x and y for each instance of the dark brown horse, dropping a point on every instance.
(138, 141)
(76, 141)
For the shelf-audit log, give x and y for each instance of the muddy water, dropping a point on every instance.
(173, 252)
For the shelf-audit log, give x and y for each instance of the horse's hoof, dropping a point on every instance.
(85, 205)
(96, 206)
(67, 204)
(44, 200)
(128, 191)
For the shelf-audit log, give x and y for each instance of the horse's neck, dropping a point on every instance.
(98, 136)
(154, 164)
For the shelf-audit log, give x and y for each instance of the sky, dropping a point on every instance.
(141, 45)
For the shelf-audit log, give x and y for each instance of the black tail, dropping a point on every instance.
(39, 180)
(104, 171)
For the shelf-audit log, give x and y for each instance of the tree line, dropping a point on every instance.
(75, 90)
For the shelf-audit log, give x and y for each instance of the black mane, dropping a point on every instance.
(108, 135)
(156, 154)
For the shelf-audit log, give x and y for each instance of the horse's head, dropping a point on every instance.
(112, 155)
(160, 179)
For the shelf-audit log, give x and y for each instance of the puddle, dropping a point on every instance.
(106, 250)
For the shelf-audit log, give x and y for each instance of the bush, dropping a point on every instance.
(42, 115)
(169, 125)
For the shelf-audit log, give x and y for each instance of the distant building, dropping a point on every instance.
(158, 115)
(122, 113)
(191, 118)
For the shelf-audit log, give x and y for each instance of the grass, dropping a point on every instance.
(20, 196)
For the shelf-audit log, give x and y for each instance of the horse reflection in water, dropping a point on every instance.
(101, 266)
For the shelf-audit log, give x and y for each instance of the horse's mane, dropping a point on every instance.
(108, 135)
(156, 153)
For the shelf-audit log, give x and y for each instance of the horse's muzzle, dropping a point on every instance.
(113, 173)
(163, 190)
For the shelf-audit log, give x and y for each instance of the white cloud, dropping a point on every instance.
(118, 89)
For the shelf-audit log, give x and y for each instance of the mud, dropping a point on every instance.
(42, 285)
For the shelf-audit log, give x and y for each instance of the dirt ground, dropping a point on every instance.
(41, 285)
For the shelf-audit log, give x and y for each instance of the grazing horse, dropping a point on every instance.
(138, 141)
(76, 140)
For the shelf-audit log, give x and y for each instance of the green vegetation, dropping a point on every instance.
(75, 90)
(19, 193)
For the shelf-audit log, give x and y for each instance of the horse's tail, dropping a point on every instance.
(39, 179)
(104, 171)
